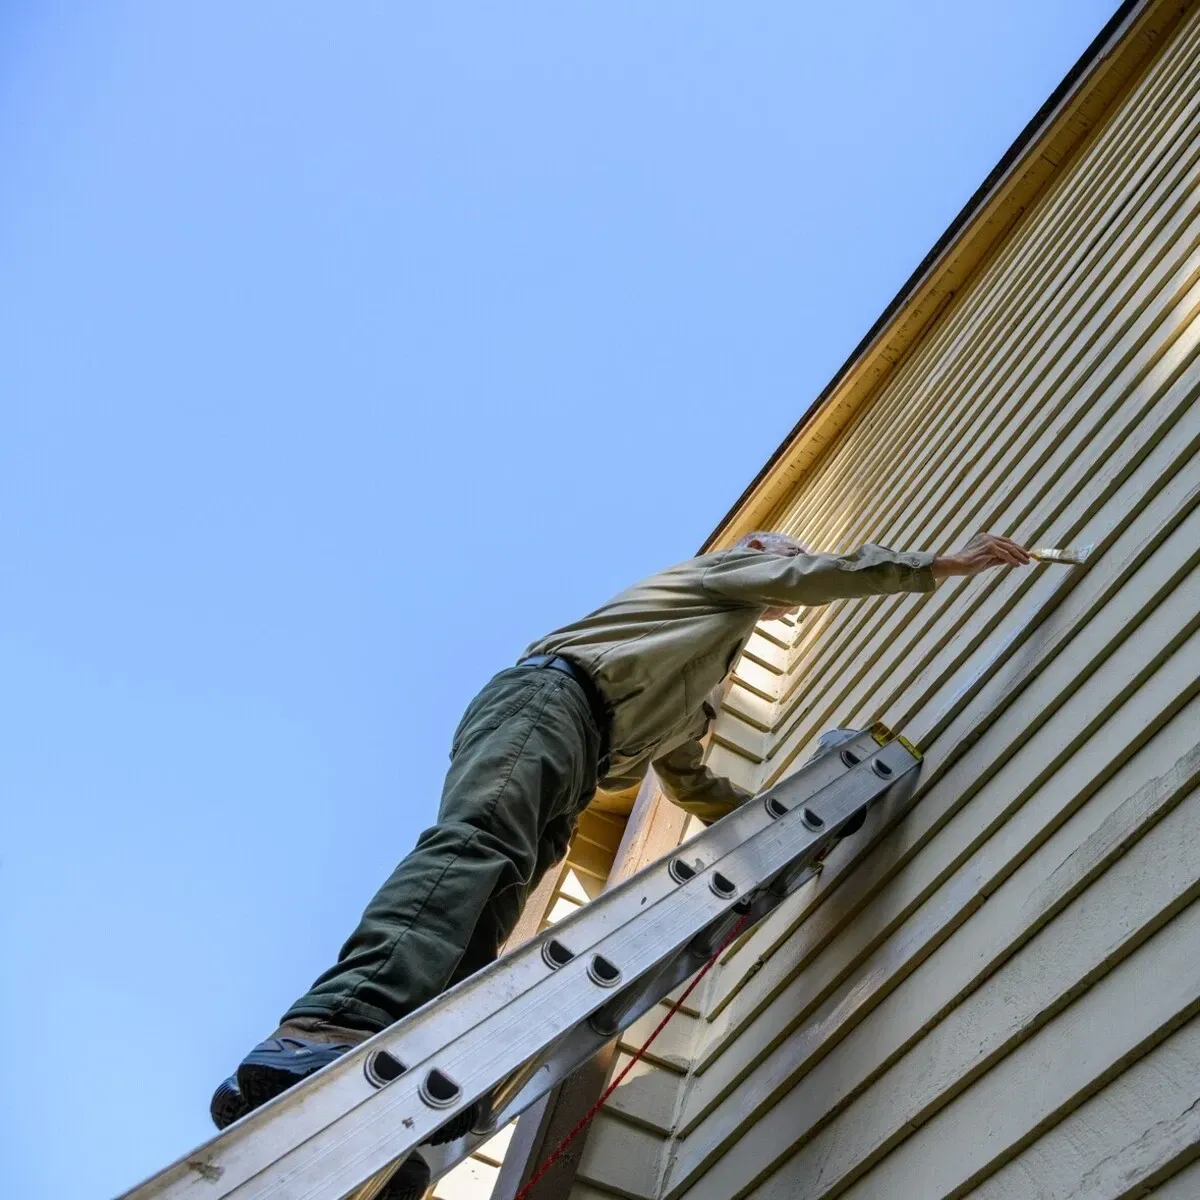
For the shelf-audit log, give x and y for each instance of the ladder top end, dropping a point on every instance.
(882, 734)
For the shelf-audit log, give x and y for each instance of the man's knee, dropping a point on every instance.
(481, 847)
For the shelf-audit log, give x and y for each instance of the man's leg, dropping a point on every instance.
(498, 922)
(523, 763)
(523, 758)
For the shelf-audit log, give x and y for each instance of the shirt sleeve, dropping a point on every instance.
(689, 783)
(777, 580)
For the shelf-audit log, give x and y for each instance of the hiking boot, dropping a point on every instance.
(297, 1049)
(227, 1104)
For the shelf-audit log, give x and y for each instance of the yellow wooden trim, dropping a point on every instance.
(1042, 160)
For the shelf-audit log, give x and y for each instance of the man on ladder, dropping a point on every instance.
(593, 704)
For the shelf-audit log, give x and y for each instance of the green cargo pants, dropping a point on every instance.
(523, 767)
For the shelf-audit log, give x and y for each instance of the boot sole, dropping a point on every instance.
(259, 1083)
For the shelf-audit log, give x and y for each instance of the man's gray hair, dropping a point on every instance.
(773, 543)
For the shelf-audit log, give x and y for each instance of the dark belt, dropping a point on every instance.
(596, 702)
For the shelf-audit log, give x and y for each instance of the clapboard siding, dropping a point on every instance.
(1185, 1185)
(1142, 1128)
(1002, 976)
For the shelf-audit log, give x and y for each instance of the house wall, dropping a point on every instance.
(994, 995)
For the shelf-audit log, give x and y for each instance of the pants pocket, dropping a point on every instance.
(497, 703)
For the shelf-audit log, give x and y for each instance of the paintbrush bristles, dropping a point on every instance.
(1072, 558)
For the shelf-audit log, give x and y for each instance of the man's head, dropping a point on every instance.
(773, 543)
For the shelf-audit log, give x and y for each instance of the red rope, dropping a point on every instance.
(560, 1149)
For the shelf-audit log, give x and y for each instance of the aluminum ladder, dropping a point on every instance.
(449, 1076)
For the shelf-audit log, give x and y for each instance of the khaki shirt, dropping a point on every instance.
(660, 648)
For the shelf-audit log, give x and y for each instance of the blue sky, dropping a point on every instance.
(344, 349)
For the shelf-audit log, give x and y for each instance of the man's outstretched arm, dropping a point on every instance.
(782, 580)
(983, 552)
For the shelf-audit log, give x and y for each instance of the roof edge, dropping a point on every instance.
(1116, 56)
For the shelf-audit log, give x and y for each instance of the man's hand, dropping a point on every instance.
(981, 553)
